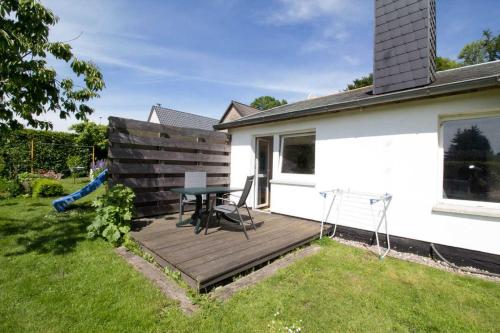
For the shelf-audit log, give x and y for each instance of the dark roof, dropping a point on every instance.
(242, 109)
(182, 119)
(458, 80)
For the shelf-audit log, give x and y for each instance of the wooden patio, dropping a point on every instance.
(205, 260)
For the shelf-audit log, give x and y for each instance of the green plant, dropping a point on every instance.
(9, 188)
(114, 212)
(45, 187)
(51, 149)
(2, 164)
(26, 179)
(74, 164)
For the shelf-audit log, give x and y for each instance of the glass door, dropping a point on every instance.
(263, 156)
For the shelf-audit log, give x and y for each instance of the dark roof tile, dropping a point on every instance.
(442, 78)
(183, 119)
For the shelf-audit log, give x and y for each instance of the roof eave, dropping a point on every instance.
(400, 96)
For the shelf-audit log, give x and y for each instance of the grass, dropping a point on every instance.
(52, 279)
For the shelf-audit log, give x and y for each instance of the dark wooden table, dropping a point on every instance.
(198, 192)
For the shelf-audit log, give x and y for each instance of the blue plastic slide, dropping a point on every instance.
(62, 203)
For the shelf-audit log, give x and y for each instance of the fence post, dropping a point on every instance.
(93, 154)
(32, 155)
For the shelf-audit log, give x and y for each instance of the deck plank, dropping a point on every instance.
(224, 252)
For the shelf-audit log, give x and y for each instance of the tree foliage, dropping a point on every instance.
(363, 81)
(443, 63)
(29, 87)
(267, 102)
(91, 134)
(483, 50)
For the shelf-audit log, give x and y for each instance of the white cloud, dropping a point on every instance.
(110, 40)
(293, 11)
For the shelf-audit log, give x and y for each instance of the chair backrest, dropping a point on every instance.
(246, 191)
(194, 179)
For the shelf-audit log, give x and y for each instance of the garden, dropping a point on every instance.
(55, 278)
(60, 271)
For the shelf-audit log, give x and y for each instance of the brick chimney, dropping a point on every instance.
(405, 44)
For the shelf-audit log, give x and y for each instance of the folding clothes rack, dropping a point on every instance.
(371, 200)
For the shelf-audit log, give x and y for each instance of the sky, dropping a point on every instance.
(197, 56)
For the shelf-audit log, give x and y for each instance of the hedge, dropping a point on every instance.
(52, 149)
(46, 187)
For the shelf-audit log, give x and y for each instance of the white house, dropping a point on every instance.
(431, 140)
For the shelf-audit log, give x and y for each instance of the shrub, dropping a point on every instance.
(50, 174)
(9, 188)
(2, 164)
(75, 165)
(46, 187)
(113, 215)
(26, 179)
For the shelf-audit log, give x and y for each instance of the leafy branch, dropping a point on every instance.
(29, 87)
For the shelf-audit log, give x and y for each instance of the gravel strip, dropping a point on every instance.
(420, 260)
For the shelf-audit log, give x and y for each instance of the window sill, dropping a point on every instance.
(293, 182)
(466, 210)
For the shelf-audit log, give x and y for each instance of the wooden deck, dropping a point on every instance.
(204, 260)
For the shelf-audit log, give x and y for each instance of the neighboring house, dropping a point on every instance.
(164, 116)
(237, 110)
(431, 140)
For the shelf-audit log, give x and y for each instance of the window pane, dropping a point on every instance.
(298, 154)
(472, 159)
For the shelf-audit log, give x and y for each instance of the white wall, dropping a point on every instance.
(154, 118)
(392, 149)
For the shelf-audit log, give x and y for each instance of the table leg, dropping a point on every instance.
(197, 213)
(210, 211)
(181, 211)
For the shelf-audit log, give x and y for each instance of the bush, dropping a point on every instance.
(45, 187)
(50, 174)
(26, 179)
(9, 188)
(113, 215)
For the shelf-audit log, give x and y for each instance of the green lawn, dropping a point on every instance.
(52, 279)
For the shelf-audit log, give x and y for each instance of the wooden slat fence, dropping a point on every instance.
(152, 158)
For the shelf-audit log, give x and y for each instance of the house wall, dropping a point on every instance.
(231, 115)
(154, 118)
(388, 149)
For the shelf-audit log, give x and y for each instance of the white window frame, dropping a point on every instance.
(296, 177)
(469, 207)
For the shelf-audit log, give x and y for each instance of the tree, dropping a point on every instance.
(491, 45)
(29, 87)
(267, 102)
(443, 63)
(91, 134)
(472, 53)
(363, 81)
(485, 49)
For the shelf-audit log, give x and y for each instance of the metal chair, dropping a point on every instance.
(192, 179)
(232, 207)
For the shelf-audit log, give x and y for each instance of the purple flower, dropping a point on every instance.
(98, 165)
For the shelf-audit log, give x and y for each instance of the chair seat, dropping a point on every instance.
(192, 201)
(225, 208)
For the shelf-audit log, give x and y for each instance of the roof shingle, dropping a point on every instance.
(183, 119)
(288, 111)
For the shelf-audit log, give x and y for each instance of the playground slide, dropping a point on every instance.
(62, 203)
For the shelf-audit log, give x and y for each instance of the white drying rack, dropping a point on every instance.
(372, 199)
